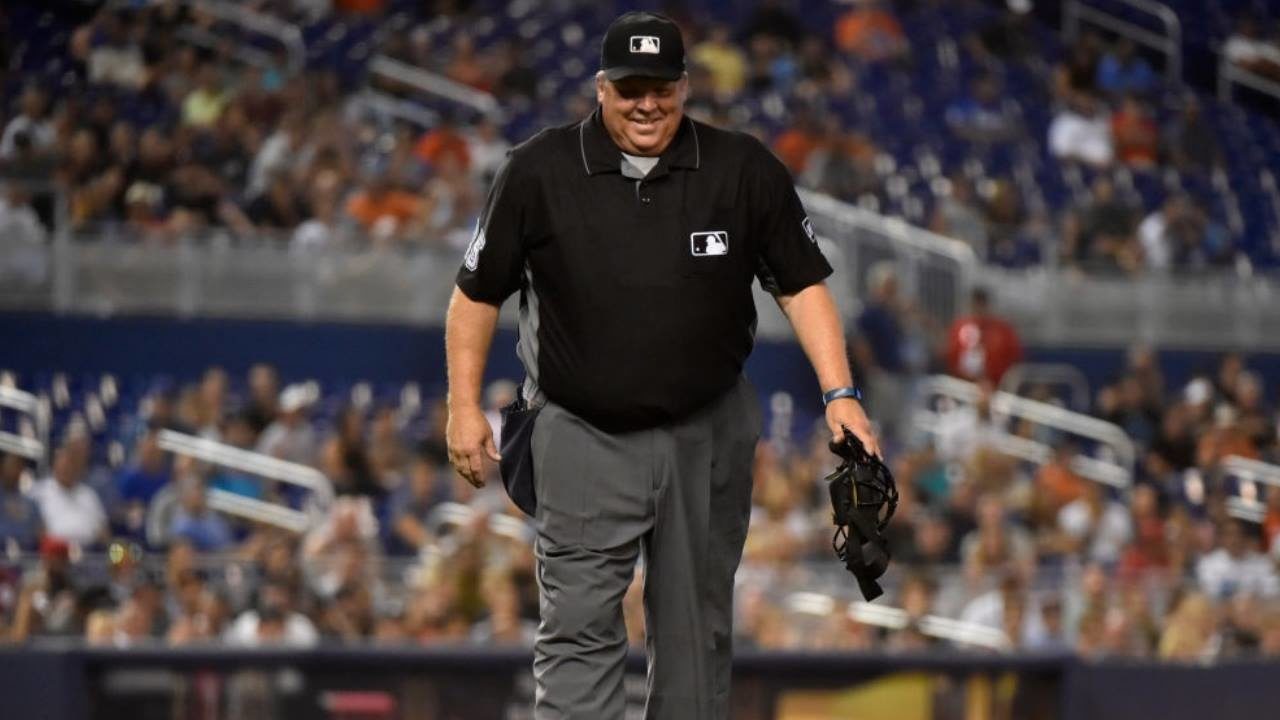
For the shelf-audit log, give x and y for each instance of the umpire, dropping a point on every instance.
(633, 237)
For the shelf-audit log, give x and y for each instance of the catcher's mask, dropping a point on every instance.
(863, 498)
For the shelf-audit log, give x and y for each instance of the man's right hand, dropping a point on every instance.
(470, 440)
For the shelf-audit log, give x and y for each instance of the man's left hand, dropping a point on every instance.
(848, 413)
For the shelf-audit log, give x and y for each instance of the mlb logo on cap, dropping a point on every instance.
(647, 44)
(705, 244)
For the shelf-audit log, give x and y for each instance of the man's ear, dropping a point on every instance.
(600, 81)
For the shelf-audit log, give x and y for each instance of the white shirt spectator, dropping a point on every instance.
(1073, 136)
(40, 132)
(1155, 246)
(961, 432)
(74, 514)
(298, 631)
(1220, 574)
(1107, 534)
(117, 65)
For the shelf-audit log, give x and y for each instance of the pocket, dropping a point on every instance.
(516, 449)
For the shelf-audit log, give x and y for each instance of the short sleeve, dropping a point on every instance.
(790, 260)
(494, 260)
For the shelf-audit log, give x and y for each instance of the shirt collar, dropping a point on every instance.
(600, 154)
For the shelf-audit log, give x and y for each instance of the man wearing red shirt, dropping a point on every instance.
(981, 345)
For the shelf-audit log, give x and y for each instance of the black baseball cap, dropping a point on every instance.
(642, 44)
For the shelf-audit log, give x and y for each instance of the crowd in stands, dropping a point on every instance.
(127, 551)
(153, 138)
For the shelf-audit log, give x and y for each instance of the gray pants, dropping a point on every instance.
(681, 494)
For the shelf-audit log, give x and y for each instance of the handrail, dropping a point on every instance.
(1068, 375)
(1169, 45)
(249, 508)
(452, 514)
(1247, 505)
(1005, 405)
(35, 449)
(257, 464)
(1007, 443)
(901, 231)
(245, 460)
(1231, 74)
(943, 628)
(397, 108)
(434, 84)
(286, 33)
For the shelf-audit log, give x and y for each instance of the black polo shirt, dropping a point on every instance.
(636, 304)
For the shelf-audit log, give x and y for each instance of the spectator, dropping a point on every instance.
(274, 621)
(1179, 236)
(118, 60)
(70, 509)
(1237, 566)
(195, 523)
(797, 143)
(441, 140)
(958, 215)
(413, 502)
(1009, 38)
(1123, 72)
(21, 230)
(1076, 77)
(1249, 50)
(1100, 237)
(325, 228)
(264, 394)
(30, 123)
(982, 116)
(1137, 138)
(1081, 133)
(487, 149)
(203, 106)
(1095, 526)
(840, 164)
(870, 32)
(20, 522)
(291, 436)
(1192, 144)
(517, 80)
(982, 344)
(279, 208)
(774, 19)
(466, 66)
(879, 351)
(383, 210)
(724, 60)
(1189, 633)
(139, 483)
(47, 601)
(997, 544)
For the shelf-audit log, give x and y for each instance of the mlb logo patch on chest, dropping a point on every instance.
(714, 242)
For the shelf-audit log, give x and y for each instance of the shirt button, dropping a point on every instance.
(646, 199)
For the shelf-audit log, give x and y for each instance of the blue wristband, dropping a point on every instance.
(841, 392)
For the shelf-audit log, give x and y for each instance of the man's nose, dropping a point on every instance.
(648, 102)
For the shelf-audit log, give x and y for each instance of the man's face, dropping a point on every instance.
(642, 114)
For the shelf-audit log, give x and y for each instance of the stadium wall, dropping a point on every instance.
(39, 343)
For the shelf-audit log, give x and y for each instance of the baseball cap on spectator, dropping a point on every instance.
(642, 44)
(54, 547)
(295, 397)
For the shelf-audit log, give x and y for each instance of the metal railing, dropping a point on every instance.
(1247, 503)
(936, 271)
(892, 618)
(1075, 12)
(1116, 471)
(32, 445)
(432, 83)
(1230, 75)
(228, 456)
(1060, 374)
(287, 34)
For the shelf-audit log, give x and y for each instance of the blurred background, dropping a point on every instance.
(228, 232)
